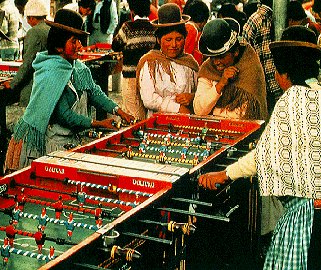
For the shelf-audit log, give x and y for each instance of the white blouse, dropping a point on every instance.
(159, 96)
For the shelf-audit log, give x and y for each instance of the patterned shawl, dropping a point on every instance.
(156, 56)
(52, 73)
(249, 87)
(288, 152)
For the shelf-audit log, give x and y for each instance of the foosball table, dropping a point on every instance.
(102, 62)
(129, 200)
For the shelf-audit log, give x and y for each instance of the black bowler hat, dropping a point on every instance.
(170, 15)
(296, 40)
(219, 36)
(69, 21)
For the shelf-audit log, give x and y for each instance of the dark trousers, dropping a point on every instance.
(314, 255)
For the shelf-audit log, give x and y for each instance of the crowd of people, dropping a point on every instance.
(181, 57)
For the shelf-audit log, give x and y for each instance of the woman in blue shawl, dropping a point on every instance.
(62, 91)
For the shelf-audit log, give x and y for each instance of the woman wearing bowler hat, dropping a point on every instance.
(287, 157)
(62, 90)
(167, 77)
(231, 81)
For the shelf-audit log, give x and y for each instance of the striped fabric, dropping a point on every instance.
(291, 238)
(258, 32)
(134, 39)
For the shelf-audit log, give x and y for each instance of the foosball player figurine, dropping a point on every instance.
(21, 199)
(98, 217)
(81, 197)
(204, 132)
(11, 232)
(51, 255)
(198, 140)
(70, 225)
(169, 138)
(16, 214)
(184, 152)
(58, 206)
(207, 151)
(148, 139)
(43, 219)
(142, 147)
(40, 239)
(195, 160)
(5, 252)
(162, 153)
(139, 133)
(129, 153)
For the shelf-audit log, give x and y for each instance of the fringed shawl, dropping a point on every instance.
(248, 88)
(52, 73)
(288, 152)
(156, 56)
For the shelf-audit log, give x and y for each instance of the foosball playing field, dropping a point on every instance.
(25, 253)
(180, 140)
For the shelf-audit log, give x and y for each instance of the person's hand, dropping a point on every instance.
(184, 109)
(184, 98)
(108, 123)
(6, 85)
(230, 74)
(212, 180)
(125, 116)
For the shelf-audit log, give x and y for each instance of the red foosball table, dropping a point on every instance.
(132, 196)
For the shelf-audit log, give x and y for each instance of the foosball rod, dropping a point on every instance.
(58, 221)
(90, 266)
(96, 198)
(193, 202)
(71, 208)
(179, 127)
(30, 254)
(59, 241)
(172, 225)
(149, 238)
(108, 200)
(184, 212)
(44, 189)
(109, 188)
(189, 132)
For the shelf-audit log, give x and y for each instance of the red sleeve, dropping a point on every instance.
(191, 39)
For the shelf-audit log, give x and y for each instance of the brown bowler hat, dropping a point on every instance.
(68, 20)
(170, 15)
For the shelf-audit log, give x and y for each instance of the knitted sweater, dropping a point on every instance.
(134, 39)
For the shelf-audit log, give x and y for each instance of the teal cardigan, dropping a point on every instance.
(52, 73)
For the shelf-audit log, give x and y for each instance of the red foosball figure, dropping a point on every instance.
(11, 232)
(40, 239)
(5, 252)
(98, 218)
(58, 207)
(70, 226)
(21, 199)
(51, 255)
